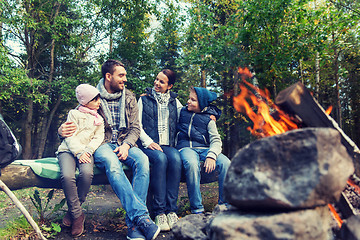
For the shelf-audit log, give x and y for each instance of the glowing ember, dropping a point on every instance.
(336, 215)
(264, 122)
(354, 185)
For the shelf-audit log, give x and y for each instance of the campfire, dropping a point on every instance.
(294, 108)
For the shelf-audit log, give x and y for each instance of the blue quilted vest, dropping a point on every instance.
(150, 116)
(192, 128)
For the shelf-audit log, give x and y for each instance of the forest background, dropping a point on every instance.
(48, 47)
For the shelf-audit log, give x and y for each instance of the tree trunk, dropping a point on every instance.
(317, 75)
(337, 83)
(301, 71)
(27, 128)
(45, 130)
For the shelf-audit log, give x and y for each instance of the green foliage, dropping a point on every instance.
(121, 213)
(51, 230)
(14, 227)
(45, 210)
(62, 44)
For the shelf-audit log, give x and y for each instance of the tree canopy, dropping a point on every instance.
(47, 48)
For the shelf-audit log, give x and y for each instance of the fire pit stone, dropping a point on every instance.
(299, 169)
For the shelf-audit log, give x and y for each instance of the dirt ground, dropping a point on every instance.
(104, 220)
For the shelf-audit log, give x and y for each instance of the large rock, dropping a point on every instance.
(192, 227)
(299, 169)
(311, 224)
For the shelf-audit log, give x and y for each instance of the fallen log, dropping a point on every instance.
(20, 177)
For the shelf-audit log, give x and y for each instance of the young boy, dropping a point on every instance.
(198, 140)
(77, 152)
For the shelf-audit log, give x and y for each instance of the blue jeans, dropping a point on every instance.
(75, 190)
(191, 158)
(165, 175)
(132, 197)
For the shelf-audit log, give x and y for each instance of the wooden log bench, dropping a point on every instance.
(21, 176)
(17, 177)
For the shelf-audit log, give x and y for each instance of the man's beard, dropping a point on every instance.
(115, 87)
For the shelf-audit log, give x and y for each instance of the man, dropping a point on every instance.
(122, 130)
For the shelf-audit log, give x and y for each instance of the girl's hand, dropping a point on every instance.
(85, 158)
(209, 165)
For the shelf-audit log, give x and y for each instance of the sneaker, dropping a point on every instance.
(162, 222)
(67, 219)
(172, 218)
(135, 234)
(78, 226)
(148, 228)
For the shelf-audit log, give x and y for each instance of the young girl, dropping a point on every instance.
(158, 114)
(77, 152)
(198, 140)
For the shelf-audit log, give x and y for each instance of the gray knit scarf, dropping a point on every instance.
(105, 95)
(163, 115)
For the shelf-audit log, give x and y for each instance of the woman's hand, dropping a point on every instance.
(155, 146)
(209, 165)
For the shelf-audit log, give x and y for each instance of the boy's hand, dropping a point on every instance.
(209, 165)
(212, 117)
(155, 146)
(67, 129)
(85, 158)
(123, 151)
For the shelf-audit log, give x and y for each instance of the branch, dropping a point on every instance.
(345, 6)
(22, 209)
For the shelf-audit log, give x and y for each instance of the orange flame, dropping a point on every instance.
(264, 122)
(336, 215)
(328, 111)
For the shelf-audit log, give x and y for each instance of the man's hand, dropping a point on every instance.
(155, 146)
(122, 151)
(209, 165)
(85, 158)
(67, 129)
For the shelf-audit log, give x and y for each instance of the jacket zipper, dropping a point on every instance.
(189, 131)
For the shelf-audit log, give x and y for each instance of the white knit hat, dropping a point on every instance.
(85, 93)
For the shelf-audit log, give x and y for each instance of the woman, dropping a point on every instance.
(158, 113)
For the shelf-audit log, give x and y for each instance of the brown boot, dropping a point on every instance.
(78, 226)
(67, 219)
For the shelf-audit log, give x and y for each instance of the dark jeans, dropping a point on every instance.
(165, 174)
(75, 190)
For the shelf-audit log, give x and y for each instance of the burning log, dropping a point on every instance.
(350, 229)
(346, 207)
(297, 100)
